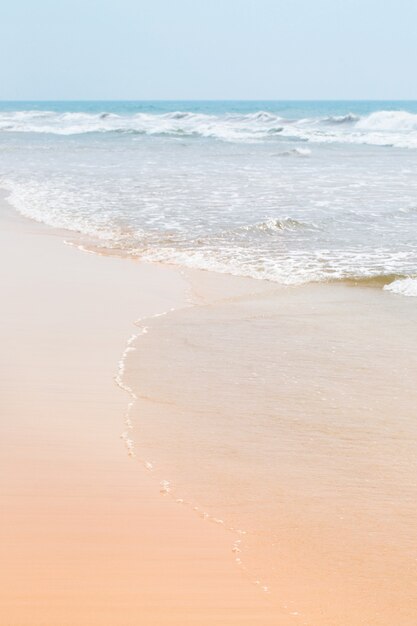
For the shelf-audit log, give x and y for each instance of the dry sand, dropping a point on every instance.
(86, 537)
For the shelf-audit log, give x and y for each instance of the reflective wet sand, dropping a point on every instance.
(290, 414)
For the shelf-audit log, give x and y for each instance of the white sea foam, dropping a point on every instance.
(295, 268)
(227, 127)
(394, 128)
(226, 206)
(388, 121)
(381, 128)
(403, 287)
(284, 249)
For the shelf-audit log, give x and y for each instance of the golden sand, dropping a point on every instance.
(86, 537)
(290, 413)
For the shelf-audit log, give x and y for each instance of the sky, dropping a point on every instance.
(208, 49)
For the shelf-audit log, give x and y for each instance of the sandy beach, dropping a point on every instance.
(182, 447)
(293, 413)
(86, 537)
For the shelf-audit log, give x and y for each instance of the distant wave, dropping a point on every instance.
(388, 121)
(380, 128)
(299, 152)
(227, 127)
(341, 119)
(177, 115)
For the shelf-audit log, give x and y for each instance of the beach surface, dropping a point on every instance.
(87, 539)
(183, 447)
(293, 412)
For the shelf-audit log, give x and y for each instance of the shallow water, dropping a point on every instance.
(291, 415)
(289, 191)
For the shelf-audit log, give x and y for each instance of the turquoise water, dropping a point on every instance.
(292, 109)
(286, 191)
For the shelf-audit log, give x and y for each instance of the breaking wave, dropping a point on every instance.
(380, 128)
(283, 210)
(342, 119)
(389, 121)
(227, 127)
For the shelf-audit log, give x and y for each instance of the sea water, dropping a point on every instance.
(292, 192)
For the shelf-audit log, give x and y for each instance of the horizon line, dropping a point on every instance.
(208, 100)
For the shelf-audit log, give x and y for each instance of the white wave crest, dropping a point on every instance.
(380, 128)
(388, 121)
(227, 127)
(403, 287)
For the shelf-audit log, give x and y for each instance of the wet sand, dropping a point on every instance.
(86, 537)
(293, 412)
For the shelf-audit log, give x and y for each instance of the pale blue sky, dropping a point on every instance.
(195, 49)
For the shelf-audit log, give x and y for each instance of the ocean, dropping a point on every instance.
(292, 192)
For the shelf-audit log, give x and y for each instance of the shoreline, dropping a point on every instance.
(86, 539)
(293, 410)
(110, 362)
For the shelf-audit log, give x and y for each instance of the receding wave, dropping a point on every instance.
(380, 128)
(373, 280)
(282, 249)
